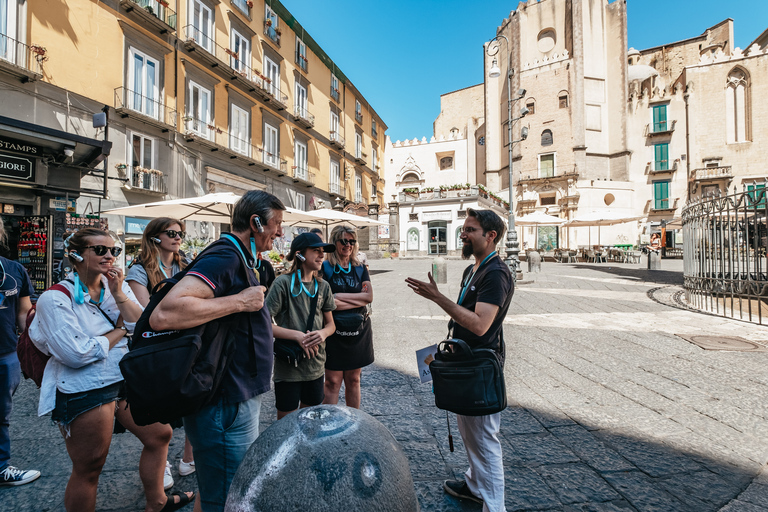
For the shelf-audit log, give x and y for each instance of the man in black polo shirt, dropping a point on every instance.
(486, 291)
(218, 285)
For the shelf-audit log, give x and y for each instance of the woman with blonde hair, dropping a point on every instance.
(159, 259)
(351, 346)
(85, 331)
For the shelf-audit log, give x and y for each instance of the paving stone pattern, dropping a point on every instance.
(609, 409)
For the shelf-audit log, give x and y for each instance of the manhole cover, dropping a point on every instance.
(733, 343)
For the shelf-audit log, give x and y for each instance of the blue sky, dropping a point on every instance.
(402, 55)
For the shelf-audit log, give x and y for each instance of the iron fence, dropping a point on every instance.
(725, 246)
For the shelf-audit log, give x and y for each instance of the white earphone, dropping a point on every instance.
(300, 257)
(259, 227)
(156, 240)
(75, 256)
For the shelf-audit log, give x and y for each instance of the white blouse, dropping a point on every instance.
(73, 335)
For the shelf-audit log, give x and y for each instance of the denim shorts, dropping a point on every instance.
(71, 405)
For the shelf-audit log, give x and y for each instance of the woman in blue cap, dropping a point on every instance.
(301, 306)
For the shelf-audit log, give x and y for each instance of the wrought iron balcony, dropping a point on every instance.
(133, 104)
(270, 92)
(557, 174)
(141, 179)
(272, 32)
(335, 94)
(155, 13)
(338, 189)
(336, 140)
(359, 117)
(361, 158)
(660, 128)
(662, 205)
(301, 60)
(21, 61)
(301, 174)
(302, 116)
(712, 173)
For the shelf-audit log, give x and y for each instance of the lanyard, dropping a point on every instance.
(341, 269)
(237, 245)
(471, 276)
(255, 255)
(4, 274)
(81, 290)
(303, 288)
(160, 264)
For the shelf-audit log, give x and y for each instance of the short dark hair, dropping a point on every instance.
(254, 202)
(489, 221)
(316, 231)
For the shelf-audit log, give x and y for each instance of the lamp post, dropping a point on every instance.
(513, 246)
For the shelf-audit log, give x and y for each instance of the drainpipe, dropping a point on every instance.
(105, 191)
(687, 148)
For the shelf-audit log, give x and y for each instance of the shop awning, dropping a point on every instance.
(49, 142)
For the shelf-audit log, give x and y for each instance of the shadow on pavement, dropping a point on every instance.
(670, 277)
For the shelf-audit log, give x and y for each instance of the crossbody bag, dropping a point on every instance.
(290, 351)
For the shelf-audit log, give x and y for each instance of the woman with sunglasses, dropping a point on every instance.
(86, 336)
(351, 346)
(159, 259)
(289, 301)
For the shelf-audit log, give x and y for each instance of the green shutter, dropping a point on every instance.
(547, 166)
(752, 189)
(661, 152)
(660, 195)
(659, 118)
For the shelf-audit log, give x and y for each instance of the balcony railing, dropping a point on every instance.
(556, 174)
(301, 173)
(660, 128)
(195, 39)
(146, 180)
(336, 140)
(659, 166)
(272, 32)
(153, 12)
(712, 173)
(335, 94)
(360, 157)
(664, 204)
(303, 117)
(359, 117)
(21, 60)
(270, 92)
(130, 103)
(336, 188)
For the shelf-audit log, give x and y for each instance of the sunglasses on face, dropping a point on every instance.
(101, 250)
(344, 241)
(172, 233)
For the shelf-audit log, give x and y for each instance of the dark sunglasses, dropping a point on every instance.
(101, 250)
(172, 233)
(344, 241)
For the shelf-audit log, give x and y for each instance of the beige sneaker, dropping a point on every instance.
(186, 468)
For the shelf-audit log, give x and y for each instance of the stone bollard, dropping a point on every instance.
(440, 270)
(534, 261)
(654, 260)
(324, 458)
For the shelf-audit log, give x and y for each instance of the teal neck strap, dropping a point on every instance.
(471, 276)
(302, 288)
(240, 250)
(81, 290)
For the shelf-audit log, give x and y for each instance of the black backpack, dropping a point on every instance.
(171, 374)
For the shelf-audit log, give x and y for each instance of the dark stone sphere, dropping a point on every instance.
(324, 458)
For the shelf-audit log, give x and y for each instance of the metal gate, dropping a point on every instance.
(725, 242)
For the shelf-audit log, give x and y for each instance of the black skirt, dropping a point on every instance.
(350, 352)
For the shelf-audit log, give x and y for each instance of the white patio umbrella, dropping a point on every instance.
(208, 208)
(604, 218)
(538, 218)
(326, 217)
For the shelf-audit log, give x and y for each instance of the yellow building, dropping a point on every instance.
(203, 95)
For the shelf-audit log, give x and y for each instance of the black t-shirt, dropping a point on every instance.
(491, 284)
(346, 282)
(222, 269)
(14, 285)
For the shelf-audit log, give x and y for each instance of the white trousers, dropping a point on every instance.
(485, 476)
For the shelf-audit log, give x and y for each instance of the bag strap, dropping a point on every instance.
(454, 343)
(311, 316)
(327, 270)
(61, 288)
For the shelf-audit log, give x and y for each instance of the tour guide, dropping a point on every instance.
(486, 291)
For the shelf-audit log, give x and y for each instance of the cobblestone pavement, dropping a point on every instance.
(609, 409)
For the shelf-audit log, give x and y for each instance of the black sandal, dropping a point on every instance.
(172, 505)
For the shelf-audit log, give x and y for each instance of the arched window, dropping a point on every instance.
(737, 106)
(412, 243)
(546, 138)
(562, 99)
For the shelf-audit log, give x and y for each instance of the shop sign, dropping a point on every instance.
(60, 204)
(19, 147)
(16, 167)
(427, 216)
(135, 226)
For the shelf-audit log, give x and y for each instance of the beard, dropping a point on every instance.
(466, 250)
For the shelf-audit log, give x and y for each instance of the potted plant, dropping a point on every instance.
(249, 3)
(268, 22)
(163, 3)
(38, 50)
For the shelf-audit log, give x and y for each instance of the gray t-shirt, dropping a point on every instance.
(291, 313)
(139, 274)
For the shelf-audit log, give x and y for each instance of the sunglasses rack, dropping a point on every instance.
(75, 222)
(33, 245)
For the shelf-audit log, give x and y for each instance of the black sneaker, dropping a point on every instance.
(460, 489)
(12, 476)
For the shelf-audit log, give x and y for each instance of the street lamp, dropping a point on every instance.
(513, 246)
